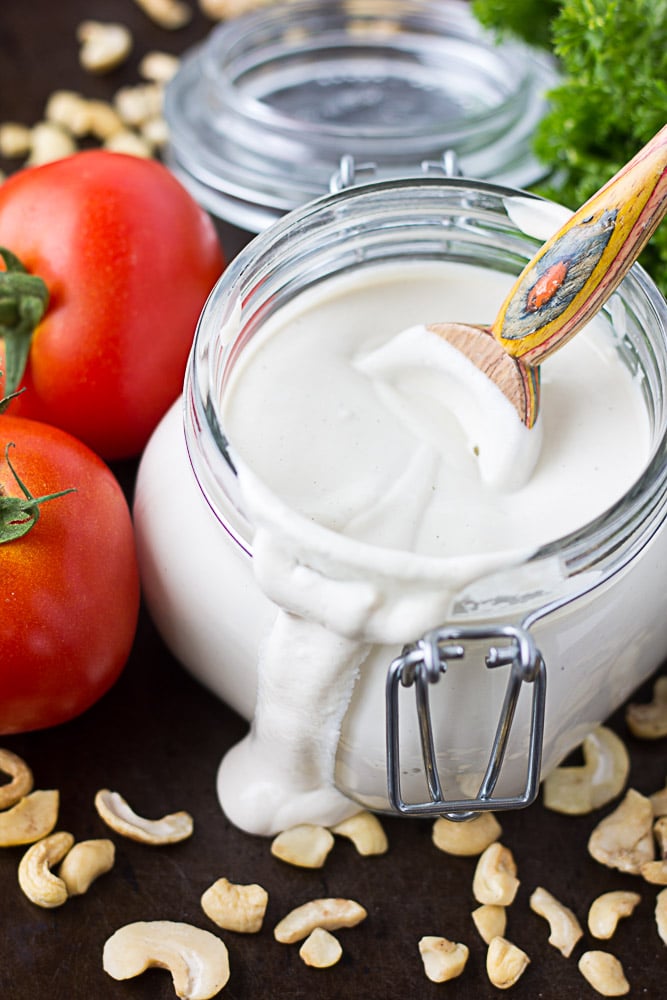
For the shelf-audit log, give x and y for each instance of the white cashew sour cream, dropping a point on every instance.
(387, 481)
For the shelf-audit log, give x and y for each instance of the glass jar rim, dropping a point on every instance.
(632, 519)
(261, 114)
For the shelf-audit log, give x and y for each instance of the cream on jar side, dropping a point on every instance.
(287, 585)
(363, 454)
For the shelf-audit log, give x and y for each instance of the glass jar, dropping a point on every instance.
(261, 116)
(535, 654)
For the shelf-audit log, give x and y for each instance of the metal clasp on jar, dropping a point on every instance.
(422, 664)
(350, 173)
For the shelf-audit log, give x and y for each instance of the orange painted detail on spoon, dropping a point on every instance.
(546, 286)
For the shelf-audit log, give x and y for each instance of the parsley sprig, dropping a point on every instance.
(612, 98)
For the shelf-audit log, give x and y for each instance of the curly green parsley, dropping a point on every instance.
(613, 94)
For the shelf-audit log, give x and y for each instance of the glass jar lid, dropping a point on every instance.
(265, 111)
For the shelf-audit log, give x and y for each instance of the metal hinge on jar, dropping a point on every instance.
(350, 172)
(422, 664)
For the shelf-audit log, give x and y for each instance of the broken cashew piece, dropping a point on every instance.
(495, 878)
(15, 141)
(49, 142)
(81, 115)
(649, 722)
(221, 10)
(104, 45)
(126, 141)
(33, 817)
(466, 839)
(159, 67)
(661, 915)
(505, 963)
(36, 879)
(305, 845)
(624, 838)
(565, 929)
(198, 960)
(321, 949)
(490, 921)
(239, 908)
(656, 871)
(366, 833)
(443, 959)
(331, 914)
(659, 802)
(606, 911)
(85, 862)
(579, 790)
(118, 815)
(604, 973)
(21, 778)
(169, 14)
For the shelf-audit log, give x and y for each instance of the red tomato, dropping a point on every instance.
(128, 258)
(69, 587)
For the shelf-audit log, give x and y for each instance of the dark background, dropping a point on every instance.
(157, 737)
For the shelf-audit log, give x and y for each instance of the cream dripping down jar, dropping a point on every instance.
(322, 544)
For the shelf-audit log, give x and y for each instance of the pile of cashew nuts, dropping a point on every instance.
(632, 838)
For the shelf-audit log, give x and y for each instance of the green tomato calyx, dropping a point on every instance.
(19, 514)
(24, 298)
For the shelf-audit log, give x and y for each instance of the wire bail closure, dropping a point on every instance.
(350, 172)
(422, 664)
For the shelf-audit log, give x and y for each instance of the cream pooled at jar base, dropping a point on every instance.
(384, 487)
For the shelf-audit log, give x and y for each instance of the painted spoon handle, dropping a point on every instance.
(577, 270)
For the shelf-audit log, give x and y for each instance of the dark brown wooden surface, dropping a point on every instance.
(158, 737)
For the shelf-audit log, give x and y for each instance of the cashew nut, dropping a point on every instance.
(366, 833)
(624, 838)
(649, 722)
(495, 878)
(85, 862)
(136, 105)
(82, 116)
(659, 802)
(608, 909)
(490, 921)
(118, 815)
(443, 959)
(305, 845)
(30, 819)
(49, 142)
(159, 67)
(578, 790)
(466, 839)
(169, 14)
(126, 141)
(198, 960)
(21, 775)
(68, 109)
(604, 973)
(656, 871)
(36, 879)
(221, 10)
(321, 949)
(239, 908)
(565, 929)
(505, 963)
(327, 913)
(155, 132)
(15, 140)
(661, 914)
(104, 45)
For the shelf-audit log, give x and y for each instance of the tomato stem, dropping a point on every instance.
(18, 515)
(23, 301)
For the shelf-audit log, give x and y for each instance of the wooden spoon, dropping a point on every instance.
(568, 280)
